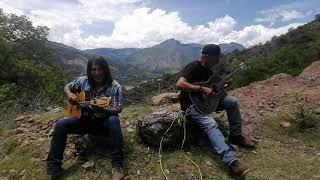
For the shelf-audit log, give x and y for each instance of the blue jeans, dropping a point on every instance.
(109, 126)
(210, 127)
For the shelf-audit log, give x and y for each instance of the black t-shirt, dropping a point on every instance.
(193, 72)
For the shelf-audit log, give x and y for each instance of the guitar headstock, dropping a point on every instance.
(243, 66)
(102, 102)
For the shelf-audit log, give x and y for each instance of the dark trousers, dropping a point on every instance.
(109, 126)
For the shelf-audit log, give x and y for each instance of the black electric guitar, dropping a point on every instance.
(208, 104)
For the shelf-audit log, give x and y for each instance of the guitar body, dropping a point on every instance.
(208, 104)
(81, 109)
(75, 110)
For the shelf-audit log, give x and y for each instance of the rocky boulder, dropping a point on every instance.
(312, 72)
(165, 98)
(152, 127)
(34, 130)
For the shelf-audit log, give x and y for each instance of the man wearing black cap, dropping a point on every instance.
(199, 71)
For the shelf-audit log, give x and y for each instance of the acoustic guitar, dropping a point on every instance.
(81, 108)
(208, 104)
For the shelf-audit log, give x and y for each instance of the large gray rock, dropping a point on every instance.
(152, 127)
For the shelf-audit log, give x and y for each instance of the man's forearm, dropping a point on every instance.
(191, 87)
(67, 90)
(186, 86)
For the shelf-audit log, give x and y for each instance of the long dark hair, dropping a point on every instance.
(100, 61)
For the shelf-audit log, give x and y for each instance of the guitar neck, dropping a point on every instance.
(87, 103)
(223, 81)
(231, 74)
(84, 103)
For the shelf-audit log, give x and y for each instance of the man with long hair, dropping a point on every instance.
(100, 84)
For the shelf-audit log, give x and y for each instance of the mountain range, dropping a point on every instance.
(134, 64)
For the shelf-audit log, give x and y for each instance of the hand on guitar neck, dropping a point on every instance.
(72, 98)
(95, 104)
(228, 85)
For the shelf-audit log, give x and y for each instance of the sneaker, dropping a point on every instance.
(117, 174)
(239, 168)
(241, 141)
(55, 172)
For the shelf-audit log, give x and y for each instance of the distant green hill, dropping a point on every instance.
(167, 57)
(119, 55)
(289, 53)
(76, 60)
(132, 65)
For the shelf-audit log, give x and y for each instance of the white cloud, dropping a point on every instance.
(64, 18)
(287, 12)
(256, 34)
(145, 28)
(134, 24)
(9, 9)
(290, 15)
(273, 15)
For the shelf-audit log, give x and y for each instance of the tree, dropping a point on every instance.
(22, 45)
(19, 32)
(25, 60)
(317, 17)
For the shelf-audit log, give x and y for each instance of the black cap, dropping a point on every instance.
(211, 50)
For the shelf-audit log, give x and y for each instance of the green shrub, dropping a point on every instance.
(293, 56)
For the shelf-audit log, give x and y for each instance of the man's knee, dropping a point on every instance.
(62, 124)
(208, 124)
(232, 101)
(112, 121)
(212, 125)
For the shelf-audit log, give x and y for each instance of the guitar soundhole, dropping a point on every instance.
(203, 99)
(87, 95)
(86, 112)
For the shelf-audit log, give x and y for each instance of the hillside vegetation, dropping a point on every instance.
(289, 53)
(28, 79)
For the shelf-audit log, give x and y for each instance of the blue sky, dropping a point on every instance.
(245, 11)
(142, 23)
